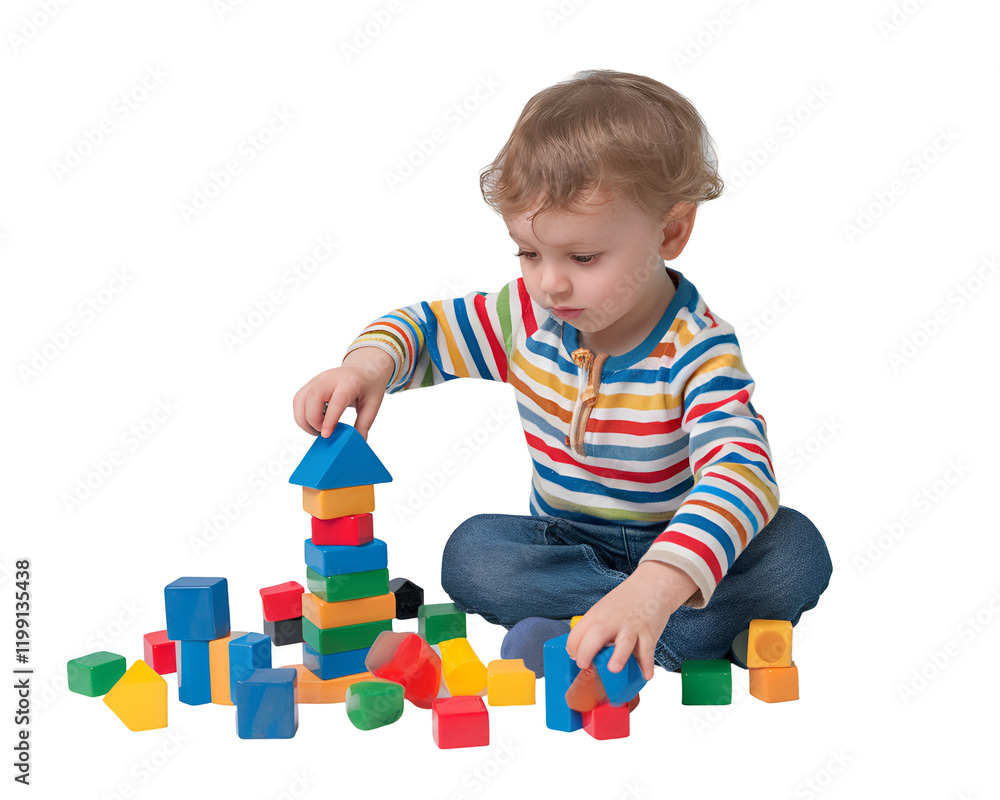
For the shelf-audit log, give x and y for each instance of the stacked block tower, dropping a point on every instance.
(348, 602)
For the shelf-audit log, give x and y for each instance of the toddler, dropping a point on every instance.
(654, 507)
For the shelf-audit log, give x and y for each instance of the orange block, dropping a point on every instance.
(218, 665)
(769, 643)
(586, 692)
(331, 503)
(348, 612)
(775, 684)
(310, 689)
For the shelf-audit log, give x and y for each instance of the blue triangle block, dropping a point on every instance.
(342, 460)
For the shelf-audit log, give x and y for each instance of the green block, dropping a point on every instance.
(349, 586)
(373, 703)
(440, 621)
(94, 675)
(344, 637)
(707, 682)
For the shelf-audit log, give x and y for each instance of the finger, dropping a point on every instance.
(644, 654)
(299, 412)
(367, 409)
(624, 644)
(335, 407)
(593, 641)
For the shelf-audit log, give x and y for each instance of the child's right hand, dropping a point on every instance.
(360, 383)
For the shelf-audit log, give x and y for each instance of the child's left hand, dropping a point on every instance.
(631, 616)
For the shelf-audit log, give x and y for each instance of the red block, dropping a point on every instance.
(460, 722)
(356, 529)
(282, 602)
(606, 721)
(408, 660)
(159, 652)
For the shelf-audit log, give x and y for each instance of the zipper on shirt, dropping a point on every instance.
(586, 396)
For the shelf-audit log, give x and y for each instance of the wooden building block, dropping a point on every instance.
(775, 684)
(139, 698)
(355, 530)
(439, 621)
(607, 721)
(283, 601)
(461, 668)
(330, 503)
(197, 608)
(373, 704)
(93, 675)
(706, 682)
(265, 705)
(311, 690)
(218, 665)
(338, 559)
(560, 672)
(350, 586)
(460, 722)
(159, 652)
(509, 683)
(769, 643)
(348, 612)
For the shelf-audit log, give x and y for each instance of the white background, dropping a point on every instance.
(883, 433)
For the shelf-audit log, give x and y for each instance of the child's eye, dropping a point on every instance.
(527, 253)
(586, 259)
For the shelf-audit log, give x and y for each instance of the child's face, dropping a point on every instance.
(599, 270)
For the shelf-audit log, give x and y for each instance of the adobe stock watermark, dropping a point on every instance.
(87, 311)
(248, 150)
(899, 15)
(921, 503)
(479, 777)
(955, 301)
(227, 513)
(913, 168)
(763, 321)
(820, 780)
(223, 8)
(786, 127)
(463, 450)
(103, 468)
(31, 25)
(941, 658)
(368, 31)
(122, 107)
(454, 117)
(807, 450)
(708, 33)
(558, 13)
(148, 766)
(290, 281)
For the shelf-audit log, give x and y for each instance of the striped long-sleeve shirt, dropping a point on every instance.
(672, 442)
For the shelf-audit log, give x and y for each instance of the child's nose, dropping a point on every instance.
(553, 282)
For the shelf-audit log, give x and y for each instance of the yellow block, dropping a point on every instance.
(218, 665)
(139, 698)
(310, 689)
(461, 668)
(775, 684)
(332, 503)
(769, 643)
(574, 620)
(348, 612)
(509, 683)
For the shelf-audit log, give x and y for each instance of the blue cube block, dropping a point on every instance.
(560, 672)
(265, 705)
(194, 677)
(197, 608)
(247, 653)
(620, 686)
(340, 559)
(334, 665)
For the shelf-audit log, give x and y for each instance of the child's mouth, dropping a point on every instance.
(567, 313)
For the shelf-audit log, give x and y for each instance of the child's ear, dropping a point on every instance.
(677, 226)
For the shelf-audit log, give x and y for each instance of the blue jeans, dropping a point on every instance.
(506, 568)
